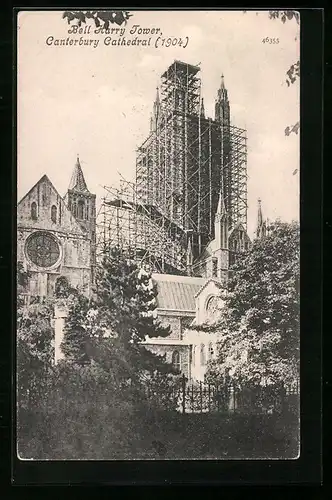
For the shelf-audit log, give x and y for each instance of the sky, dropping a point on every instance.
(97, 101)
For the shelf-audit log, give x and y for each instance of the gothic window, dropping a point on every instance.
(214, 267)
(235, 245)
(176, 361)
(73, 209)
(203, 357)
(80, 209)
(53, 213)
(34, 210)
(87, 211)
(43, 249)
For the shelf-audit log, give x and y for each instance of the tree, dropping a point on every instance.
(259, 326)
(34, 349)
(110, 327)
(98, 401)
(101, 18)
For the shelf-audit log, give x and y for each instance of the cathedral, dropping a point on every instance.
(191, 190)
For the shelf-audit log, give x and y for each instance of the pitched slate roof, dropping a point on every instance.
(177, 292)
(77, 182)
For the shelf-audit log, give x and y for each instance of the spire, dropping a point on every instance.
(222, 85)
(189, 256)
(202, 108)
(221, 209)
(156, 104)
(222, 108)
(156, 112)
(221, 223)
(222, 92)
(260, 214)
(77, 182)
(261, 226)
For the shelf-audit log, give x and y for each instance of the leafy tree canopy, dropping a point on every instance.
(259, 326)
(110, 327)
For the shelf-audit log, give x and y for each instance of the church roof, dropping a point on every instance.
(237, 227)
(216, 281)
(77, 182)
(177, 292)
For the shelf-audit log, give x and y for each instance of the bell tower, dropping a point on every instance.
(82, 205)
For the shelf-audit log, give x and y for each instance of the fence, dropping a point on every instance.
(201, 397)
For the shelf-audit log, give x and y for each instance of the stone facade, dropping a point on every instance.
(56, 239)
(53, 242)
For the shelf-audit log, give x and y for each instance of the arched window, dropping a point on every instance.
(53, 213)
(87, 211)
(73, 209)
(176, 362)
(235, 245)
(80, 209)
(211, 350)
(203, 357)
(34, 210)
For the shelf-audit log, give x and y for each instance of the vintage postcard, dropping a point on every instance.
(158, 235)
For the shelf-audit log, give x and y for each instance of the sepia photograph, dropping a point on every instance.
(158, 235)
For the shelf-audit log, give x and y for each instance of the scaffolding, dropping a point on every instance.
(146, 236)
(181, 168)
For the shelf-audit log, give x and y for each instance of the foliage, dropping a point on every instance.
(294, 71)
(34, 350)
(260, 324)
(294, 128)
(101, 18)
(92, 404)
(284, 15)
(110, 327)
(162, 390)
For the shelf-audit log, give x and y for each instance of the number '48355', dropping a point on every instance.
(270, 40)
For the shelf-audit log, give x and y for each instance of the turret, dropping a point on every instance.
(221, 224)
(190, 257)
(202, 109)
(220, 259)
(261, 225)
(222, 108)
(82, 205)
(156, 113)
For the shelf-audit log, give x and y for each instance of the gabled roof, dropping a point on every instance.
(177, 292)
(66, 212)
(238, 226)
(207, 281)
(43, 178)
